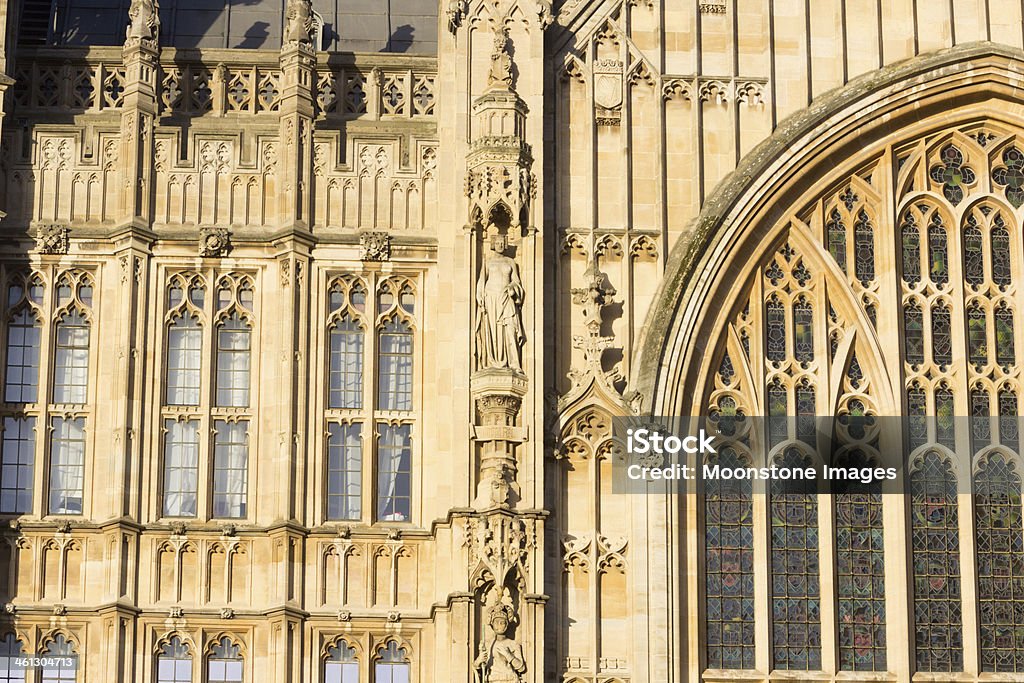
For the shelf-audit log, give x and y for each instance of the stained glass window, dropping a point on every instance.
(938, 251)
(945, 424)
(796, 602)
(803, 331)
(1000, 559)
(942, 344)
(935, 543)
(778, 409)
(977, 337)
(913, 333)
(911, 243)
(1009, 419)
(1000, 238)
(981, 421)
(1005, 351)
(837, 238)
(729, 574)
(952, 174)
(917, 421)
(864, 249)
(860, 569)
(1011, 175)
(974, 257)
(805, 412)
(775, 328)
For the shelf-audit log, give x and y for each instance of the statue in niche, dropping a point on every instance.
(502, 661)
(299, 22)
(145, 21)
(501, 60)
(499, 297)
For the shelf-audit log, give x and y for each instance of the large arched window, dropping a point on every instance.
(224, 664)
(341, 665)
(392, 664)
(174, 663)
(61, 661)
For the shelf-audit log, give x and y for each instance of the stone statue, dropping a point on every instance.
(298, 21)
(499, 297)
(502, 661)
(501, 61)
(144, 19)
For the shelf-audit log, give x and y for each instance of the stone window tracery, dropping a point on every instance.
(392, 664)
(174, 663)
(225, 663)
(60, 648)
(341, 664)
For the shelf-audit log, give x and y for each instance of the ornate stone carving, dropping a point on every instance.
(144, 19)
(10, 608)
(394, 617)
(376, 246)
(608, 92)
(344, 615)
(501, 660)
(52, 238)
(228, 530)
(501, 62)
(227, 613)
(64, 527)
(499, 298)
(175, 613)
(456, 12)
(178, 529)
(59, 610)
(214, 242)
(298, 22)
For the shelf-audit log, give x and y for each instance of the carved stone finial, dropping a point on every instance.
(593, 298)
(298, 22)
(501, 61)
(52, 238)
(144, 16)
(214, 242)
(376, 246)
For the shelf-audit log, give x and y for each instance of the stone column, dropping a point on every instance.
(298, 62)
(141, 54)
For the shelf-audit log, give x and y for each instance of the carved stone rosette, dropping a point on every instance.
(214, 242)
(52, 238)
(376, 246)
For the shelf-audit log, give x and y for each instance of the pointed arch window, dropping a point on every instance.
(347, 304)
(913, 333)
(1009, 419)
(942, 336)
(864, 249)
(10, 650)
(795, 569)
(945, 423)
(392, 665)
(775, 330)
(935, 546)
(341, 665)
(977, 335)
(911, 251)
(1000, 242)
(778, 410)
(803, 331)
(938, 251)
(225, 664)
(1006, 354)
(974, 257)
(836, 230)
(1000, 562)
(62, 667)
(981, 421)
(729, 574)
(917, 421)
(71, 365)
(174, 663)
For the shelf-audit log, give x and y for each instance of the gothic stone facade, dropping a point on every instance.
(310, 358)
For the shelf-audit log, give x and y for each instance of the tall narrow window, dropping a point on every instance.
(729, 575)
(224, 664)
(998, 525)
(71, 366)
(935, 540)
(864, 249)
(778, 411)
(10, 651)
(796, 602)
(911, 244)
(981, 419)
(806, 429)
(341, 665)
(837, 238)
(230, 468)
(394, 472)
(942, 342)
(22, 358)
(344, 471)
(67, 466)
(60, 659)
(184, 361)
(394, 384)
(974, 257)
(1009, 419)
(945, 423)
(1000, 240)
(775, 330)
(392, 665)
(233, 362)
(913, 333)
(18, 457)
(860, 568)
(938, 251)
(181, 468)
(803, 331)
(346, 371)
(174, 665)
(977, 336)
(1005, 351)
(917, 420)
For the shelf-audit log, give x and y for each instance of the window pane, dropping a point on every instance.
(346, 371)
(181, 468)
(344, 471)
(394, 390)
(230, 468)
(10, 649)
(394, 473)
(184, 361)
(71, 367)
(67, 466)
(22, 359)
(233, 363)
(18, 457)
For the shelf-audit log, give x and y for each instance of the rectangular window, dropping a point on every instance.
(67, 466)
(184, 362)
(22, 359)
(71, 371)
(233, 346)
(181, 468)
(394, 472)
(230, 468)
(394, 386)
(344, 471)
(341, 672)
(346, 371)
(19, 442)
(225, 671)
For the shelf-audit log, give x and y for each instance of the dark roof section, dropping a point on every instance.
(408, 26)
